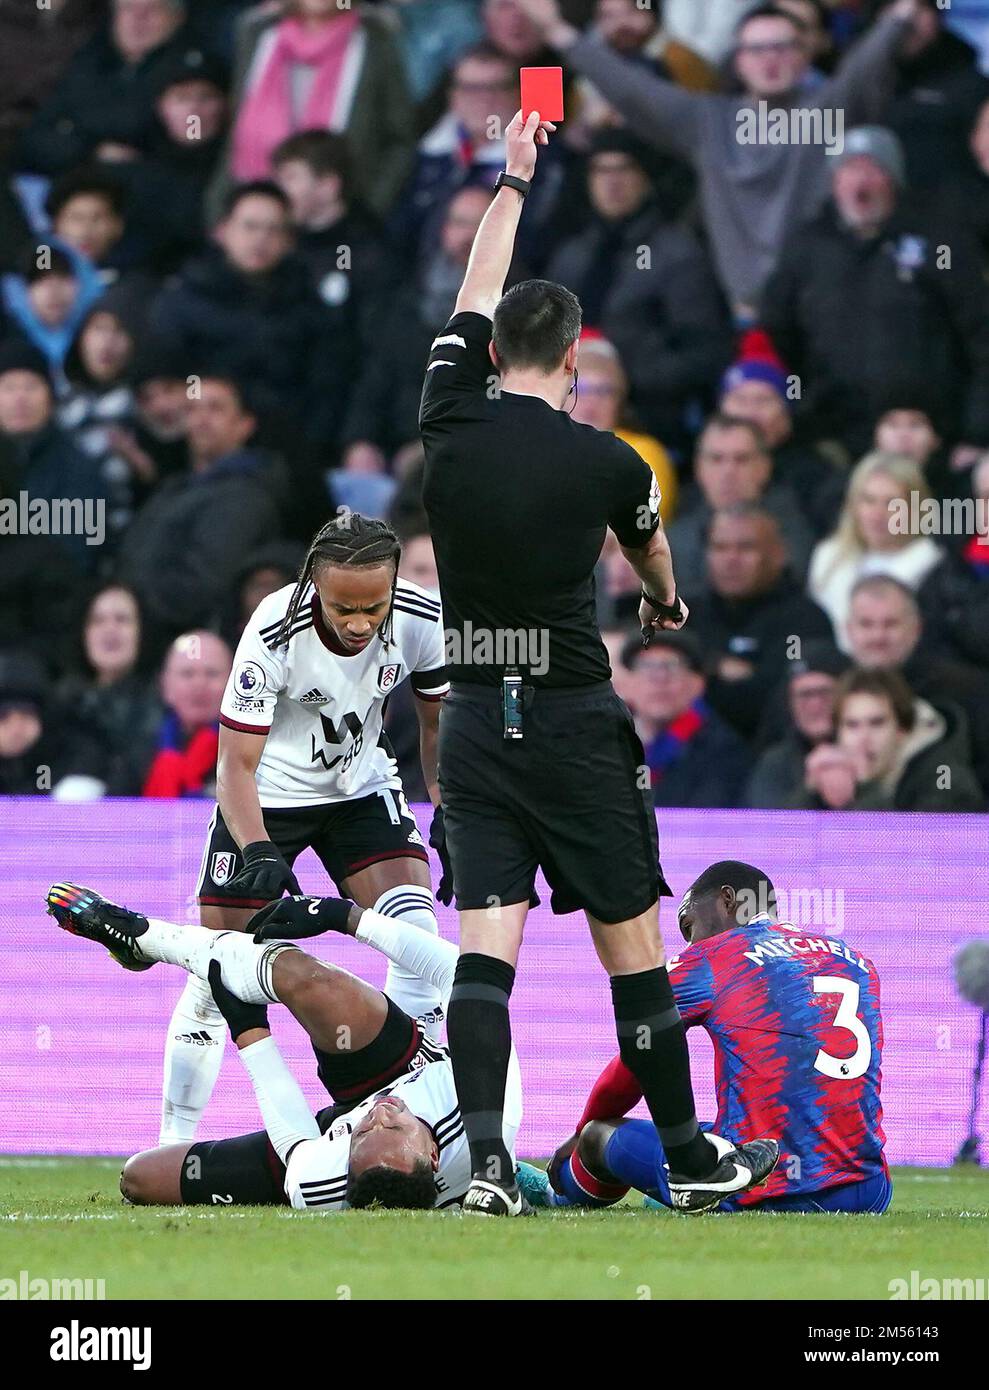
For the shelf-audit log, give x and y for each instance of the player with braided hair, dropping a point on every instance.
(304, 764)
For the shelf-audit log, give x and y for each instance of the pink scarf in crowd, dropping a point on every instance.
(266, 113)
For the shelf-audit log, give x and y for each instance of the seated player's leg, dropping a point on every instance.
(196, 1031)
(372, 849)
(220, 1172)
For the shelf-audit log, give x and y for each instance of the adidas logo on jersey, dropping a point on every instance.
(314, 697)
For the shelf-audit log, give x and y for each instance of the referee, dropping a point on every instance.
(539, 762)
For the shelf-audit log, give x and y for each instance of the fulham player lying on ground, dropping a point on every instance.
(394, 1136)
(303, 763)
(797, 1033)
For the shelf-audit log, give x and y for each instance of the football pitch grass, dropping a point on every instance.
(62, 1218)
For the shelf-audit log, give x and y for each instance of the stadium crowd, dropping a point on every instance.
(229, 233)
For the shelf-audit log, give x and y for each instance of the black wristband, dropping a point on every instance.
(665, 610)
(511, 181)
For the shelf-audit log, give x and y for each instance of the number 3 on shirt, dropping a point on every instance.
(844, 1068)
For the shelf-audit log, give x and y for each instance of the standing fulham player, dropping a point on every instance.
(303, 764)
(539, 761)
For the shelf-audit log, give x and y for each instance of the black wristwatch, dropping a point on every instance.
(510, 181)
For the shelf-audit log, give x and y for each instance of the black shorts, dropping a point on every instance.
(346, 836)
(247, 1170)
(569, 797)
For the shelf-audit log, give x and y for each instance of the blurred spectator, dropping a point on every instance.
(36, 751)
(694, 759)
(733, 465)
(954, 598)
(757, 388)
(751, 621)
(245, 307)
(266, 570)
(510, 29)
(103, 105)
(911, 425)
(891, 752)
(616, 639)
(465, 148)
(602, 396)
(862, 301)
(618, 589)
(167, 187)
(192, 682)
(38, 42)
(314, 65)
(433, 34)
(384, 410)
(778, 777)
(885, 633)
(813, 16)
(87, 208)
(49, 298)
(752, 190)
(865, 540)
(188, 540)
(646, 284)
(938, 93)
(44, 465)
(344, 247)
(362, 483)
(109, 698)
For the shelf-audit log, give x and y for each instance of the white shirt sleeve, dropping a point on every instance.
(428, 676)
(430, 958)
(257, 678)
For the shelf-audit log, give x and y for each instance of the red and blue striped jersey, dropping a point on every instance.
(795, 1022)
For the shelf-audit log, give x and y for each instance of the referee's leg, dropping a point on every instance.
(480, 1034)
(652, 1040)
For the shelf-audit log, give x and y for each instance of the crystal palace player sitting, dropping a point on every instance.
(395, 1135)
(794, 1019)
(303, 763)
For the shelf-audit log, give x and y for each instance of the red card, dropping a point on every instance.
(542, 91)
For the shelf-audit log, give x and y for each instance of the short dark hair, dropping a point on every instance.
(721, 421)
(58, 263)
(744, 878)
(390, 1187)
(257, 188)
(534, 324)
(768, 12)
(884, 685)
(322, 151)
(86, 182)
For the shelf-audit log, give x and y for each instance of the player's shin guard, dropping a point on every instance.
(479, 1032)
(193, 1053)
(418, 998)
(576, 1187)
(653, 1045)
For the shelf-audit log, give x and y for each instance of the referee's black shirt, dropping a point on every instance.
(519, 498)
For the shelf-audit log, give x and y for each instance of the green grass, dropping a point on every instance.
(62, 1218)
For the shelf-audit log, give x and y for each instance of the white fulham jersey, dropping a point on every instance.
(316, 1176)
(322, 710)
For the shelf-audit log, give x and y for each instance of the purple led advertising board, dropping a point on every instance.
(81, 1040)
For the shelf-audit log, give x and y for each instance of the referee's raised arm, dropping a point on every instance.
(540, 765)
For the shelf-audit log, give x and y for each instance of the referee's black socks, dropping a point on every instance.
(652, 1042)
(479, 1033)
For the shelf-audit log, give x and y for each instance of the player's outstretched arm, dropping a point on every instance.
(494, 244)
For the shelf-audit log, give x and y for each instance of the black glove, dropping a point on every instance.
(288, 919)
(240, 1016)
(265, 873)
(437, 841)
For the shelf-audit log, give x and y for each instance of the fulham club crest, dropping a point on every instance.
(387, 676)
(222, 868)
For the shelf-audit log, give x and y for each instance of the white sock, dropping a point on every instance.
(414, 905)
(245, 967)
(197, 1034)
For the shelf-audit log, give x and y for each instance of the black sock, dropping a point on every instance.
(479, 1032)
(653, 1045)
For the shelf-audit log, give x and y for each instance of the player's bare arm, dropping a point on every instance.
(236, 787)
(663, 609)
(491, 255)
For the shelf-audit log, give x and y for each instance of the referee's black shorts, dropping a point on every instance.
(568, 798)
